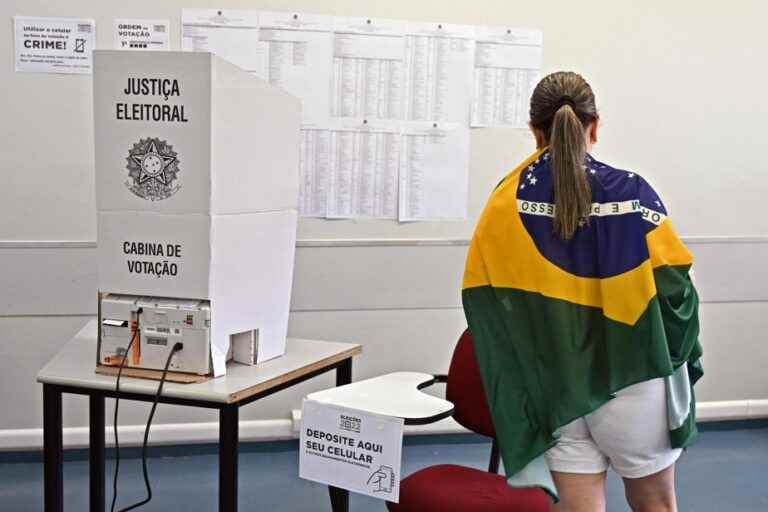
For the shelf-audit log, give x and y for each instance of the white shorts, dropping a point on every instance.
(630, 433)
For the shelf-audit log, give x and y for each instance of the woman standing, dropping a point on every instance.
(584, 317)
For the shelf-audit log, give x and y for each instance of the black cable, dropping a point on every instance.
(117, 405)
(176, 347)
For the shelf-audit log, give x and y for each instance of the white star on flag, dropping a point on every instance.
(631, 175)
(533, 180)
(522, 186)
(530, 167)
(546, 156)
(658, 203)
(592, 171)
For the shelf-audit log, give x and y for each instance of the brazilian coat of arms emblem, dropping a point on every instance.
(153, 167)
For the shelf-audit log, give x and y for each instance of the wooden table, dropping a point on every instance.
(72, 370)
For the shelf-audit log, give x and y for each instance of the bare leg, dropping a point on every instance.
(653, 493)
(580, 492)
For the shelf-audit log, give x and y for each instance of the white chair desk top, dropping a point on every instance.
(394, 394)
(75, 364)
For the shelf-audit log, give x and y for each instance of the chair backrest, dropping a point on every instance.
(465, 389)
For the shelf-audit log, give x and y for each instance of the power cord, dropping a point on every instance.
(176, 348)
(117, 405)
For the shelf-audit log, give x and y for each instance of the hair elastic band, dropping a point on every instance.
(565, 100)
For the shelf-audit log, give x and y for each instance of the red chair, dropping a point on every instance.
(452, 488)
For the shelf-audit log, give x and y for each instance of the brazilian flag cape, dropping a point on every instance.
(560, 326)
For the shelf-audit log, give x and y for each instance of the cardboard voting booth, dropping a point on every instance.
(196, 191)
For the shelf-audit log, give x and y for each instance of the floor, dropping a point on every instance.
(726, 471)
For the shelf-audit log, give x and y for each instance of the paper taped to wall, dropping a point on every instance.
(54, 45)
(386, 103)
(231, 34)
(434, 158)
(141, 34)
(363, 170)
(507, 66)
(368, 68)
(349, 169)
(299, 49)
(384, 170)
(439, 61)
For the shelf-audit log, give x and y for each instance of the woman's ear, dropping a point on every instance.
(538, 135)
(593, 126)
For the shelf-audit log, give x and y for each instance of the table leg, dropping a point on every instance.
(96, 452)
(340, 497)
(344, 373)
(53, 452)
(228, 442)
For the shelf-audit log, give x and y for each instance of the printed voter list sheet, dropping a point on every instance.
(231, 34)
(314, 165)
(439, 63)
(54, 45)
(368, 68)
(507, 67)
(434, 172)
(364, 159)
(299, 50)
(141, 34)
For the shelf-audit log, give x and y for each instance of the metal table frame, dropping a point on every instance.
(228, 439)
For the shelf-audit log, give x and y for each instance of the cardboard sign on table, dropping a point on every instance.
(351, 449)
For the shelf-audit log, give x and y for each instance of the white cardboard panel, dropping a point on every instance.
(185, 241)
(255, 137)
(189, 136)
(251, 277)
(243, 263)
(234, 141)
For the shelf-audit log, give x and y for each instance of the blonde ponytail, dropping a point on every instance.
(562, 108)
(568, 150)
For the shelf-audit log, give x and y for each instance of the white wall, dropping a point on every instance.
(679, 86)
(399, 299)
